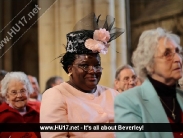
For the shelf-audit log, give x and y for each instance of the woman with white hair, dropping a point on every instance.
(16, 88)
(157, 59)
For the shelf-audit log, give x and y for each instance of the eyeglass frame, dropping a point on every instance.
(172, 54)
(129, 78)
(89, 69)
(15, 94)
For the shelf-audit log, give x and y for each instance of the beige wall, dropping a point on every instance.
(59, 20)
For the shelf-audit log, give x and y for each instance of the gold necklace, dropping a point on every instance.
(172, 111)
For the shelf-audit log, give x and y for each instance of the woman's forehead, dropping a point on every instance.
(166, 43)
(16, 84)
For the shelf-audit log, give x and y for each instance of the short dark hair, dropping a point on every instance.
(2, 74)
(122, 68)
(67, 60)
(51, 81)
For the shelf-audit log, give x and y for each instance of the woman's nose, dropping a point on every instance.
(92, 69)
(19, 94)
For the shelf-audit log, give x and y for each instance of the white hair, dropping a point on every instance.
(143, 56)
(19, 76)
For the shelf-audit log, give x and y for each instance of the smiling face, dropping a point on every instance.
(167, 66)
(82, 79)
(17, 94)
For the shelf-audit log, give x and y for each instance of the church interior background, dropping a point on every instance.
(33, 32)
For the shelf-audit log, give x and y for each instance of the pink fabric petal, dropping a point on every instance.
(96, 46)
(101, 35)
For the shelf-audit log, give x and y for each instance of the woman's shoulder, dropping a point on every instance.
(138, 92)
(55, 94)
(32, 110)
(56, 89)
(133, 93)
(33, 106)
(104, 89)
(4, 106)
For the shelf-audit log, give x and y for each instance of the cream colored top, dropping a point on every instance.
(65, 104)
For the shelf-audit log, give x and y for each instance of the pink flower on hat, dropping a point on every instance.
(99, 41)
(101, 35)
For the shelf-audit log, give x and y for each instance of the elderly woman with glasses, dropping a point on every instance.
(16, 88)
(157, 59)
(81, 99)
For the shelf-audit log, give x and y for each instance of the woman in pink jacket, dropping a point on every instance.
(81, 99)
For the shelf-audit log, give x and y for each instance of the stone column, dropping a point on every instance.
(46, 43)
(121, 43)
(66, 24)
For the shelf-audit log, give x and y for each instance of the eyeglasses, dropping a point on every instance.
(21, 92)
(169, 55)
(87, 68)
(127, 79)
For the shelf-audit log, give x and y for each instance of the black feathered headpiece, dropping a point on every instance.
(91, 35)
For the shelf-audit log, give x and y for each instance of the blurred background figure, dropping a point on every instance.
(2, 74)
(180, 83)
(36, 95)
(53, 81)
(16, 88)
(125, 78)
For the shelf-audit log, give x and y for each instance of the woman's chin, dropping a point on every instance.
(178, 76)
(20, 105)
(92, 85)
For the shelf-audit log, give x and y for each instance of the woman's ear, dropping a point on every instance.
(70, 68)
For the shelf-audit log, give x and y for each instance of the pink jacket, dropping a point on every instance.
(65, 104)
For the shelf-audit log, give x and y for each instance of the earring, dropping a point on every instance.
(70, 74)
